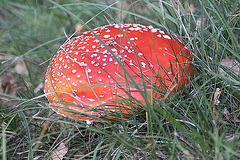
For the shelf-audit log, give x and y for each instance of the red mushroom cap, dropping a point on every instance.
(85, 77)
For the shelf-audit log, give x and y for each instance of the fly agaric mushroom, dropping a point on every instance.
(93, 71)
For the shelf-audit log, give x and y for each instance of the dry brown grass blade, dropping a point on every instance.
(216, 103)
